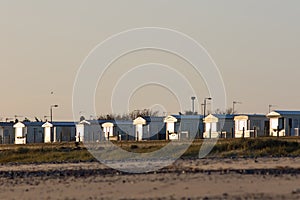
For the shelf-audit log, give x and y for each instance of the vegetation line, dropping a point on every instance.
(71, 152)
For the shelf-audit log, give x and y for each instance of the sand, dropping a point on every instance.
(262, 178)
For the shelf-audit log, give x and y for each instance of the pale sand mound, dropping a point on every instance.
(263, 178)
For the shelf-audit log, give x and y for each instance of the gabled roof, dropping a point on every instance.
(139, 120)
(169, 119)
(273, 114)
(19, 125)
(84, 122)
(241, 117)
(47, 124)
(211, 119)
(107, 124)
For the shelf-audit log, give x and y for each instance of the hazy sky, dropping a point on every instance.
(254, 43)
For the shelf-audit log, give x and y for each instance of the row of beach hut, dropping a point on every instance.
(173, 127)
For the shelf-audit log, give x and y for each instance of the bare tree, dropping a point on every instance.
(228, 111)
(189, 112)
(143, 113)
(132, 115)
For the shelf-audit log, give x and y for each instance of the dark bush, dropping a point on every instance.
(22, 150)
(134, 146)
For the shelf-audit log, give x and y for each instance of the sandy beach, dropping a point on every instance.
(239, 178)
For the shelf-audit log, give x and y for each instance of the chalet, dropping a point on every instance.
(218, 125)
(149, 128)
(183, 126)
(211, 130)
(250, 125)
(20, 133)
(82, 129)
(284, 123)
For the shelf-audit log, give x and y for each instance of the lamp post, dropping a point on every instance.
(270, 107)
(51, 114)
(193, 104)
(204, 109)
(233, 103)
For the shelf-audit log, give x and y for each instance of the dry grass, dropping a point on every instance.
(69, 152)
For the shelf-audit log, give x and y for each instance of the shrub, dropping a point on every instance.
(134, 146)
(22, 150)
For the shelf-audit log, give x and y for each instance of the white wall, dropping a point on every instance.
(139, 132)
(47, 134)
(79, 132)
(20, 135)
(211, 130)
(240, 124)
(170, 127)
(109, 130)
(273, 123)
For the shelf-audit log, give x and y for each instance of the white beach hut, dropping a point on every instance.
(139, 123)
(170, 128)
(20, 135)
(250, 125)
(108, 130)
(284, 123)
(211, 126)
(81, 130)
(241, 126)
(47, 132)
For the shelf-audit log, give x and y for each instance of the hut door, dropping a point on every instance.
(170, 127)
(139, 132)
(290, 127)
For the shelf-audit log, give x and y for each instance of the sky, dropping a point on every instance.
(255, 45)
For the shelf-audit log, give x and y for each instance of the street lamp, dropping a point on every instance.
(233, 103)
(204, 109)
(51, 115)
(193, 104)
(270, 107)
